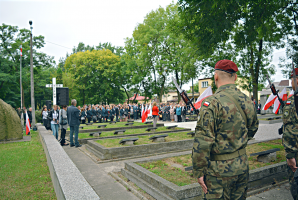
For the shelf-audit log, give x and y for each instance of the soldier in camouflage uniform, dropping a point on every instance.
(219, 158)
(290, 137)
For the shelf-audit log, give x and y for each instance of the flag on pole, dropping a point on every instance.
(204, 95)
(21, 51)
(150, 111)
(269, 102)
(144, 115)
(283, 95)
(142, 112)
(291, 93)
(27, 124)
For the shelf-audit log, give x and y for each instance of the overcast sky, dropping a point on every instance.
(66, 23)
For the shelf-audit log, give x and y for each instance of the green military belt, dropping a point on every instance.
(227, 156)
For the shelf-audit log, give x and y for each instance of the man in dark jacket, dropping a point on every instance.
(30, 115)
(183, 109)
(117, 113)
(73, 118)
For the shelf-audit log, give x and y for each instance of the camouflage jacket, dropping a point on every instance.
(290, 128)
(221, 130)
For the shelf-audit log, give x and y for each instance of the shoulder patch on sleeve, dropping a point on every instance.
(206, 104)
(288, 102)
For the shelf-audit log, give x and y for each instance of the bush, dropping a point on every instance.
(38, 116)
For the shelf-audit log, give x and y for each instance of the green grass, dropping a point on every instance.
(176, 174)
(24, 173)
(117, 125)
(127, 132)
(110, 143)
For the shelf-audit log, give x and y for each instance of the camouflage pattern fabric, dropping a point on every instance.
(290, 139)
(233, 187)
(222, 130)
(293, 184)
(290, 128)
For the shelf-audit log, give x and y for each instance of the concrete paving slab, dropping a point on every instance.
(280, 192)
(104, 185)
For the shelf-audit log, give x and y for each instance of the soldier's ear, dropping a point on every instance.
(235, 77)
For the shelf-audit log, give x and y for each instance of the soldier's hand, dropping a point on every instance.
(202, 183)
(292, 164)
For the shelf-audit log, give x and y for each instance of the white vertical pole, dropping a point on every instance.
(21, 77)
(54, 91)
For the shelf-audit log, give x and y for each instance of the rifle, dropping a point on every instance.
(184, 96)
(275, 92)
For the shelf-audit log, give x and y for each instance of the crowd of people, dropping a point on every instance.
(122, 112)
(113, 112)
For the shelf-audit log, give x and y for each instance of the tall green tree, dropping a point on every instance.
(156, 52)
(91, 76)
(11, 38)
(255, 27)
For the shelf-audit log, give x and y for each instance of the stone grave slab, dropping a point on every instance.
(128, 141)
(266, 156)
(95, 134)
(191, 133)
(158, 138)
(129, 124)
(89, 124)
(101, 126)
(149, 122)
(171, 127)
(119, 132)
(151, 129)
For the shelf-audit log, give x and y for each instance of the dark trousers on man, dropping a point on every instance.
(89, 119)
(117, 117)
(164, 116)
(179, 118)
(99, 119)
(135, 115)
(62, 137)
(106, 118)
(74, 130)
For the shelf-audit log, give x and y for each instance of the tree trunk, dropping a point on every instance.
(177, 79)
(257, 69)
(126, 95)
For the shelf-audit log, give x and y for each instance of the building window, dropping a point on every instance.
(204, 84)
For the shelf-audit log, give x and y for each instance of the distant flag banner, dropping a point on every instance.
(291, 93)
(204, 95)
(21, 51)
(283, 95)
(269, 102)
(27, 124)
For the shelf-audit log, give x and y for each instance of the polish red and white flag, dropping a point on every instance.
(291, 93)
(283, 95)
(204, 95)
(142, 112)
(269, 102)
(21, 51)
(27, 124)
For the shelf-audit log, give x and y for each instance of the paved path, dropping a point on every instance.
(104, 185)
(278, 193)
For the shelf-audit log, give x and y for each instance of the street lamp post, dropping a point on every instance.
(32, 78)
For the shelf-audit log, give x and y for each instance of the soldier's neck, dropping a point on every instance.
(224, 83)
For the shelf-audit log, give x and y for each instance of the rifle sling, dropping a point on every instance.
(237, 105)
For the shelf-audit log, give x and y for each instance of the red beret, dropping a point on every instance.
(296, 70)
(226, 66)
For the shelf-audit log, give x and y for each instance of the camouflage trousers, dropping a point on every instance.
(233, 187)
(293, 184)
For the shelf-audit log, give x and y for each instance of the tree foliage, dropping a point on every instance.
(11, 37)
(254, 27)
(156, 52)
(91, 76)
